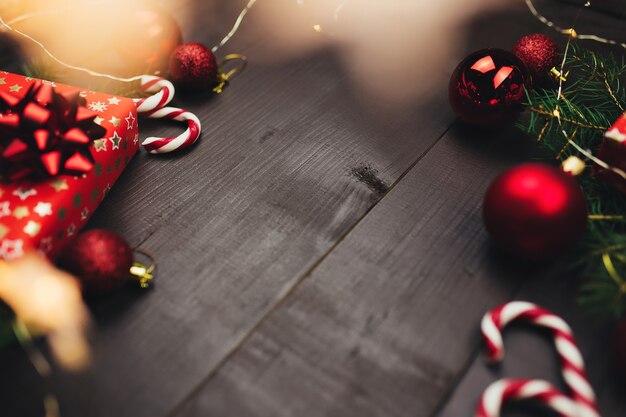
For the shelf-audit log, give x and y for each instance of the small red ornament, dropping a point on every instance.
(100, 259)
(487, 88)
(619, 348)
(45, 134)
(540, 53)
(193, 67)
(535, 211)
(147, 44)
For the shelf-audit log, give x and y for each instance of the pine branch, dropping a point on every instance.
(592, 99)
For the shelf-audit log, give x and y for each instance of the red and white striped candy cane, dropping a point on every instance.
(189, 137)
(572, 363)
(154, 107)
(506, 390)
(163, 93)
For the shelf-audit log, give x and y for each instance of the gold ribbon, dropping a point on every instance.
(612, 271)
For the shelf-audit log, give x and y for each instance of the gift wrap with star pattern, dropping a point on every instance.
(46, 215)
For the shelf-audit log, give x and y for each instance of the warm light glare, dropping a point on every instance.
(98, 35)
(501, 76)
(49, 302)
(484, 64)
(396, 50)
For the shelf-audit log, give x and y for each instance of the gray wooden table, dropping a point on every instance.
(316, 260)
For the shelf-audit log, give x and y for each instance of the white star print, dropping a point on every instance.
(114, 101)
(11, 249)
(5, 209)
(24, 193)
(136, 138)
(130, 121)
(32, 228)
(115, 140)
(98, 106)
(100, 144)
(43, 209)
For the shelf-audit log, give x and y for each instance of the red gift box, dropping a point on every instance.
(613, 152)
(46, 214)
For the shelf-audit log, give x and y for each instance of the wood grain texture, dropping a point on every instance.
(386, 323)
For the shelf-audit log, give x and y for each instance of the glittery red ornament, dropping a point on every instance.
(618, 347)
(487, 88)
(540, 53)
(100, 259)
(45, 134)
(147, 44)
(193, 67)
(535, 211)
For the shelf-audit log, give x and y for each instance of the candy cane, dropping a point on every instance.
(164, 93)
(156, 145)
(154, 107)
(572, 363)
(506, 390)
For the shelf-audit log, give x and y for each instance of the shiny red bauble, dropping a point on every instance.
(193, 66)
(487, 88)
(100, 259)
(147, 43)
(539, 53)
(535, 211)
(618, 347)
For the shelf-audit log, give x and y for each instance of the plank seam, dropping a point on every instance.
(239, 345)
(477, 351)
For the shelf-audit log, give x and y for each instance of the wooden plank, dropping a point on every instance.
(385, 324)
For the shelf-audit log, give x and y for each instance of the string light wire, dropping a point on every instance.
(571, 32)
(9, 26)
(235, 28)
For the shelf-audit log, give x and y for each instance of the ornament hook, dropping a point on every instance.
(224, 76)
(143, 274)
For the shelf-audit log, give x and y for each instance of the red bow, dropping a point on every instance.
(45, 134)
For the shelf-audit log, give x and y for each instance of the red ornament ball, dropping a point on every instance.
(487, 88)
(535, 211)
(100, 259)
(147, 44)
(540, 53)
(618, 347)
(193, 67)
